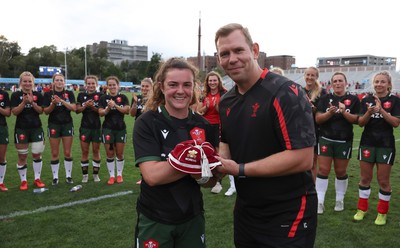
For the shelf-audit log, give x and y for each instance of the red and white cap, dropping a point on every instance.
(193, 157)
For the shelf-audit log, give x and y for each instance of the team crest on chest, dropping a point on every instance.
(387, 105)
(198, 134)
(228, 110)
(255, 107)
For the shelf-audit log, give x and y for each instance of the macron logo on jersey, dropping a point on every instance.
(164, 133)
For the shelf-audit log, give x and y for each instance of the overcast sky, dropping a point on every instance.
(305, 29)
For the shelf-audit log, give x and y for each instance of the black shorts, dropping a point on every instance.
(4, 135)
(216, 134)
(285, 227)
(304, 241)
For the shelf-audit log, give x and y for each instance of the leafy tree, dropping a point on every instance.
(155, 62)
(113, 70)
(17, 66)
(8, 51)
(12, 62)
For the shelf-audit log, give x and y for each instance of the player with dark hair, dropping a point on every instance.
(114, 106)
(170, 205)
(90, 129)
(336, 114)
(58, 104)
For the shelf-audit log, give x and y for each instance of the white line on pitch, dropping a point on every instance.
(47, 208)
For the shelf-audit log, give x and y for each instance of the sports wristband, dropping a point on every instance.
(241, 170)
(202, 180)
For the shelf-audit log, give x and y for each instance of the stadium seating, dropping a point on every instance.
(363, 75)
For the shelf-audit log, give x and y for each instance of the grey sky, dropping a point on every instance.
(305, 29)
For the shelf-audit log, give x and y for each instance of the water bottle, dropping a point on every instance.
(76, 188)
(40, 190)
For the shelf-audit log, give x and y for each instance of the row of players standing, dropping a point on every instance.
(335, 113)
(58, 103)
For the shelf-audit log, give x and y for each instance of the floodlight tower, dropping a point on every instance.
(199, 45)
(65, 63)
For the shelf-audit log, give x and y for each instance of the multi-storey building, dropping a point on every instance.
(356, 60)
(119, 50)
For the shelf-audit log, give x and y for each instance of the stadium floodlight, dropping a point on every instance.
(65, 63)
(85, 63)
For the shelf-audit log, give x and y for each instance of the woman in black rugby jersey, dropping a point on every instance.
(58, 104)
(90, 129)
(114, 106)
(170, 205)
(380, 113)
(336, 114)
(26, 104)
(5, 111)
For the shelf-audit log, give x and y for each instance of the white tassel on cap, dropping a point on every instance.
(205, 165)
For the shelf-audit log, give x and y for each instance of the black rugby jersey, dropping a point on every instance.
(90, 118)
(4, 103)
(114, 119)
(272, 116)
(60, 114)
(377, 132)
(337, 127)
(155, 134)
(28, 118)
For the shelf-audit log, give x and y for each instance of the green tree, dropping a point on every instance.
(12, 62)
(114, 70)
(8, 51)
(155, 62)
(44, 56)
(76, 63)
(17, 66)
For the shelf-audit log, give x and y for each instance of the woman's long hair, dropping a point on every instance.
(315, 92)
(158, 98)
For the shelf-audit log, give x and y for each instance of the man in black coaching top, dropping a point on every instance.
(267, 140)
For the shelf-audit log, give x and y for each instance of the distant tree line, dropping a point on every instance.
(13, 62)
